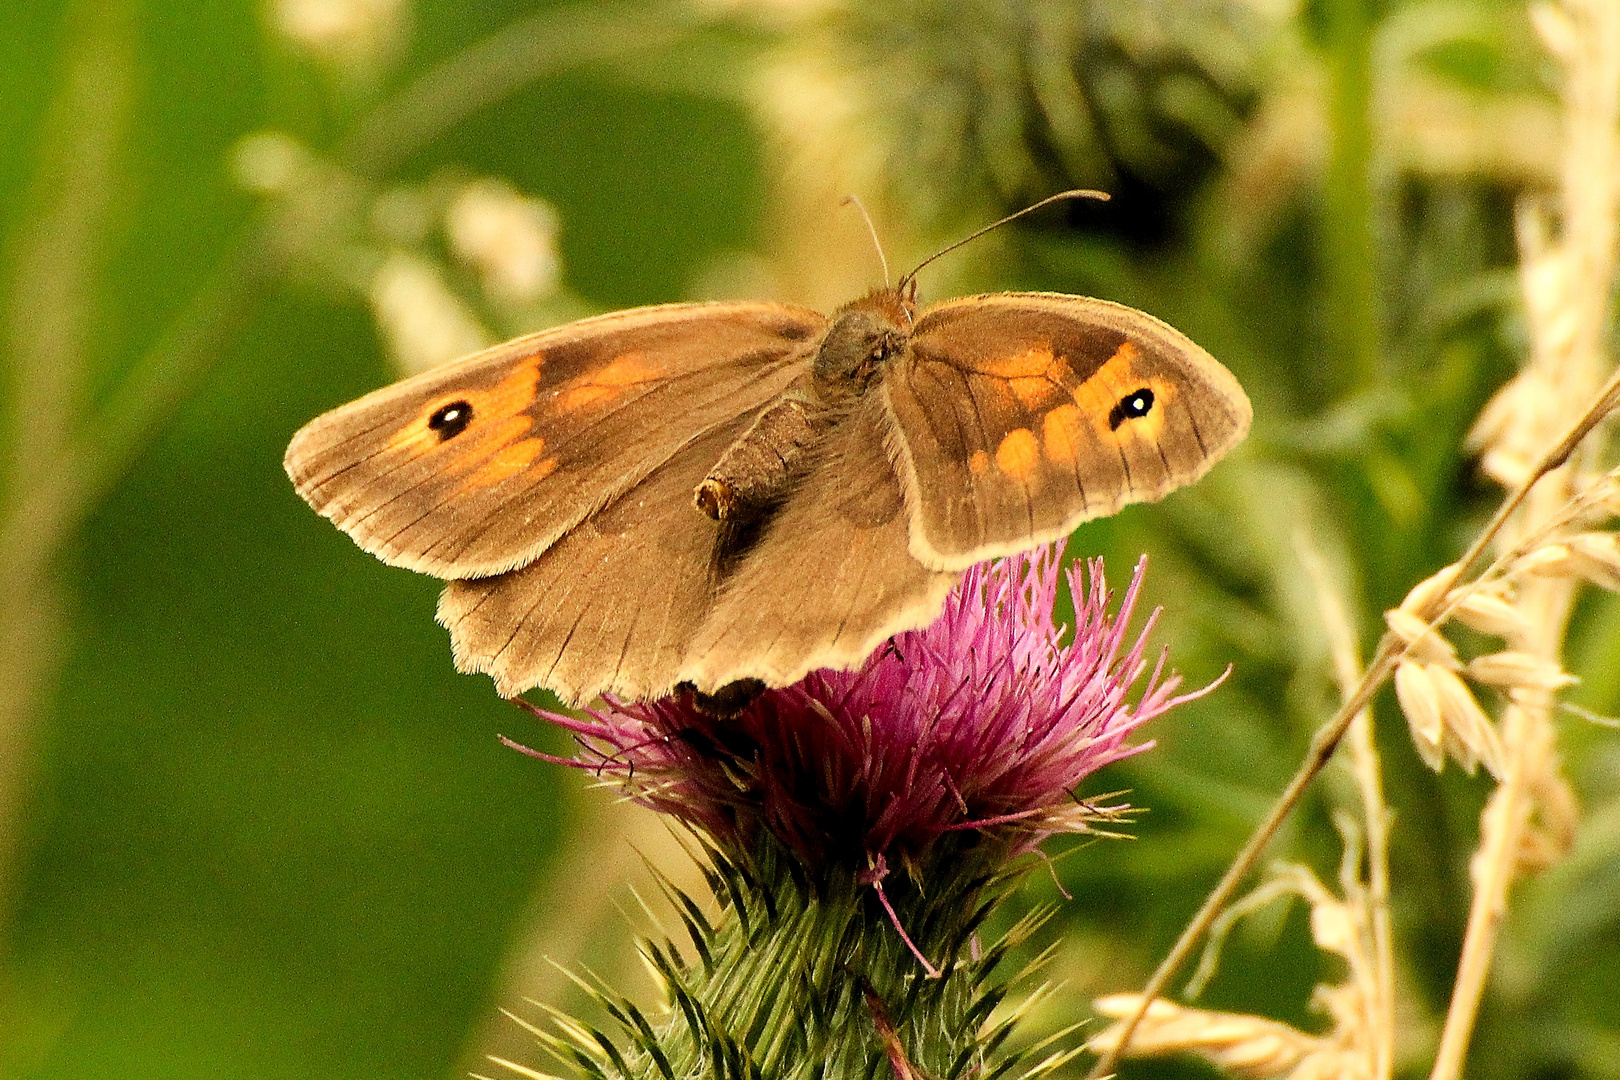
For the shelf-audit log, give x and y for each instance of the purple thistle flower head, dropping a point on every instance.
(982, 723)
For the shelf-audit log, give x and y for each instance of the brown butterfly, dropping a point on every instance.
(709, 494)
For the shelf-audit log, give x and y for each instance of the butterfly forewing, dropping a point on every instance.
(1019, 415)
(477, 467)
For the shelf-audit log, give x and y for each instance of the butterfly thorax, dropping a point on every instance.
(757, 470)
(863, 336)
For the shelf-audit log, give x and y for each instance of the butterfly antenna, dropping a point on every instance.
(884, 259)
(1062, 196)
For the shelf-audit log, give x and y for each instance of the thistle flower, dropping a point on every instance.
(952, 750)
(983, 723)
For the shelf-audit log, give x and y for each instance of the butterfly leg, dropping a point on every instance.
(728, 700)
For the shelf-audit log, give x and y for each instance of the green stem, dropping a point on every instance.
(1348, 254)
(62, 492)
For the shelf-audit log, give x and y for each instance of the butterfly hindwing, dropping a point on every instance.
(613, 605)
(1019, 415)
(830, 576)
(477, 467)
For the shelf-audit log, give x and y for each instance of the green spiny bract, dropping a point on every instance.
(805, 976)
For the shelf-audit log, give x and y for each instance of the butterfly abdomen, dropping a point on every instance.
(756, 470)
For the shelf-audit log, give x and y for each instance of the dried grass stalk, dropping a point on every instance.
(1523, 596)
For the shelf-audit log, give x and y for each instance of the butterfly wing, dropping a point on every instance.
(477, 467)
(829, 577)
(1021, 415)
(612, 605)
(619, 608)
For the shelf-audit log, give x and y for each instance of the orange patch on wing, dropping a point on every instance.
(1060, 433)
(1037, 377)
(493, 406)
(1094, 398)
(1029, 364)
(979, 463)
(416, 438)
(509, 461)
(1019, 453)
(606, 383)
(514, 393)
(1034, 393)
(1098, 395)
(494, 440)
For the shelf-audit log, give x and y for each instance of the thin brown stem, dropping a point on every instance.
(1505, 819)
(1323, 743)
(1348, 673)
(1326, 740)
(1370, 781)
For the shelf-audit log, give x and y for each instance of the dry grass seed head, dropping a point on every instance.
(1514, 671)
(1490, 610)
(1250, 1047)
(1444, 718)
(1423, 642)
(1424, 599)
(1595, 556)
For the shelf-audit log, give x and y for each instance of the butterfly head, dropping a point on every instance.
(863, 336)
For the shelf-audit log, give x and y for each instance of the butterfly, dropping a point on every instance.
(723, 495)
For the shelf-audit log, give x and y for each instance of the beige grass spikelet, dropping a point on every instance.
(1249, 1047)
(1491, 612)
(1470, 737)
(1422, 642)
(1420, 701)
(1548, 561)
(1424, 599)
(1507, 430)
(1596, 557)
(1444, 718)
(1607, 493)
(1513, 670)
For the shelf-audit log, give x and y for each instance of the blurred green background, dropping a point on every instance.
(252, 823)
